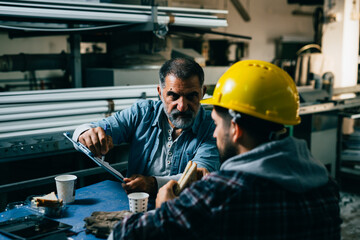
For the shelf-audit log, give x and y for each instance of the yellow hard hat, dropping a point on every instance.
(259, 89)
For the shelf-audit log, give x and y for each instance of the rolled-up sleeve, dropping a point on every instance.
(207, 155)
(119, 126)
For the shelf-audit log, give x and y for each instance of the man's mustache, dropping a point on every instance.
(187, 114)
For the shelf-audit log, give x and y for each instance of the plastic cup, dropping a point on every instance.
(138, 202)
(65, 187)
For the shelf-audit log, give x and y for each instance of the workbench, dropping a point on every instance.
(103, 196)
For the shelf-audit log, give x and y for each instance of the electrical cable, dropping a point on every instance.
(307, 47)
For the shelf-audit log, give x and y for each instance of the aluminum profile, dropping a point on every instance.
(111, 13)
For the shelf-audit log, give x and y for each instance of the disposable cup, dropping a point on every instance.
(65, 187)
(138, 202)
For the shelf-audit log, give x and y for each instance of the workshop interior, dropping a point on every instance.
(65, 63)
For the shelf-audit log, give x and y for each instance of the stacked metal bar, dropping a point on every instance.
(32, 122)
(110, 13)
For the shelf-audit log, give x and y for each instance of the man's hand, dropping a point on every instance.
(96, 140)
(140, 183)
(166, 193)
(201, 172)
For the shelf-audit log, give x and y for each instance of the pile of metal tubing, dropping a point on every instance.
(85, 12)
(50, 111)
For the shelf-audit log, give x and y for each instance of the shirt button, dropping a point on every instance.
(170, 153)
(169, 145)
(168, 162)
(169, 138)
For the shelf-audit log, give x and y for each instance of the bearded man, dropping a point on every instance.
(163, 135)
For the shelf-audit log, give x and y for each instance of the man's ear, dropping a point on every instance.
(204, 90)
(159, 90)
(236, 132)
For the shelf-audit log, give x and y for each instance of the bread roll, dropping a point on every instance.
(189, 175)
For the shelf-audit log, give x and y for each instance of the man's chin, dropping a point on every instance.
(183, 124)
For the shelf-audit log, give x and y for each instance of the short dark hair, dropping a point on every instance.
(257, 128)
(182, 68)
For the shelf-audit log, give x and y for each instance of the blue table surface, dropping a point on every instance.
(103, 196)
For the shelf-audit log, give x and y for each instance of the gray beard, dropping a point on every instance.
(179, 119)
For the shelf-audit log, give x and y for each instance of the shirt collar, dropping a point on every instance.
(159, 113)
(198, 120)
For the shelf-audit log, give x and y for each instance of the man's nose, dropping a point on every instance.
(182, 104)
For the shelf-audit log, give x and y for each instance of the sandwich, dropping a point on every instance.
(48, 200)
(189, 175)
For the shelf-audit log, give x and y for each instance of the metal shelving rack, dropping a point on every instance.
(341, 170)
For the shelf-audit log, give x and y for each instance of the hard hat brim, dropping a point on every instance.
(208, 101)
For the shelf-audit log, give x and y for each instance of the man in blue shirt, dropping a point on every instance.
(164, 135)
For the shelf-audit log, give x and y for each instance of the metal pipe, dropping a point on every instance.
(43, 107)
(57, 113)
(175, 11)
(82, 94)
(68, 112)
(112, 6)
(20, 118)
(91, 90)
(24, 134)
(95, 16)
(26, 125)
(29, 62)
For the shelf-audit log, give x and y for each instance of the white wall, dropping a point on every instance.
(340, 42)
(270, 19)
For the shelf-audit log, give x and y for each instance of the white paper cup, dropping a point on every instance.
(138, 202)
(65, 186)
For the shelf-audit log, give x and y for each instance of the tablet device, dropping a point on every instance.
(32, 227)
(97, 160)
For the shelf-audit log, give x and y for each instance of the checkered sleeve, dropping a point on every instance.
(174, 219)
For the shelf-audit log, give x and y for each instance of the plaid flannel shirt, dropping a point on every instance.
(236, 205)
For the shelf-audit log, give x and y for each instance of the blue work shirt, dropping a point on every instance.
(140, 127)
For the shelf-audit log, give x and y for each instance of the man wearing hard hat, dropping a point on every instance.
(269, 186)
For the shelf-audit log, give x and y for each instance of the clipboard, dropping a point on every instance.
(105, 165)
